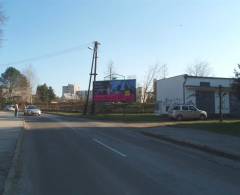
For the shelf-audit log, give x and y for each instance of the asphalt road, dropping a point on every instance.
(61, 156)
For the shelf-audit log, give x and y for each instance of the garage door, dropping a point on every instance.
(205, 100)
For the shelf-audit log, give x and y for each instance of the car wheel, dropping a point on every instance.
(203, 117)
(179, 117)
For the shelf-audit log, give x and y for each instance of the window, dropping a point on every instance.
(205, 84)
(184, 107)
(192, 108)
(167, 108)
(176, 108)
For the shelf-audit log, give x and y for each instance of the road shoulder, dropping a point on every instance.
(11, 133)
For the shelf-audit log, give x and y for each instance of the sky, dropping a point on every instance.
(134, 35)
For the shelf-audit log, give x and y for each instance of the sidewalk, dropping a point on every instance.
(10, 129)
(217, 144)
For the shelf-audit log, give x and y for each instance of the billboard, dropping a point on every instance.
(115, 91)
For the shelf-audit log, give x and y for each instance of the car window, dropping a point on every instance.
(192, 108)
(176, 108)
(184, 107)
(32, 107)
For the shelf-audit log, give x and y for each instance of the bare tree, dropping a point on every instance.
(149, 83)
(199, 69)
(2, 21)
(163, 71)
(30, 74)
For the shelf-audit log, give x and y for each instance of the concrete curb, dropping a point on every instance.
(204, 148)
(10, 180)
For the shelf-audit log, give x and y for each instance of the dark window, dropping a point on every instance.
(192, 108)
(205, 84)
(184, 107)
(176, 108)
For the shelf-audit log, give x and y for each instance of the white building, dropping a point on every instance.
(203, 92)
(82, 95)
(69, 91)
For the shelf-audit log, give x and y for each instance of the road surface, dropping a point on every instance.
(62, 156)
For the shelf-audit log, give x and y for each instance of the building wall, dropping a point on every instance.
(82, 95)
(225, 103)
(234, 105)
(190, 96)
(69, 91)
(214, 82)
(169, 91)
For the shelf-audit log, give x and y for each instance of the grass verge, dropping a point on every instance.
(228, 127)
(115, 117)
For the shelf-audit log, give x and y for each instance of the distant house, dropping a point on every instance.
(202, 92)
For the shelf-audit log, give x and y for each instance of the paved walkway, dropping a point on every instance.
(204, 139)
(10, 128)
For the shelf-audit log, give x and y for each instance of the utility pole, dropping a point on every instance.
(95, 75)
(93, 68)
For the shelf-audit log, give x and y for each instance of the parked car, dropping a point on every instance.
(9, 108)
(181, 112)
(32, 110)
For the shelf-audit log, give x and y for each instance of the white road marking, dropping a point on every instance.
(110, 148)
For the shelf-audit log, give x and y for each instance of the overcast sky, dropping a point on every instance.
(134, 34)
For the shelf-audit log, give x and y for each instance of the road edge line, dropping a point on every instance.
(10, 180)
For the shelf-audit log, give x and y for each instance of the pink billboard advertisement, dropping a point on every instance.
(115, 91)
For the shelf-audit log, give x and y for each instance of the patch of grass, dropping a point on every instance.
(70, 114)
(127, 117)
(116, 117)
(229, 127)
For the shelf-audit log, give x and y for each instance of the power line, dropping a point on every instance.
(49, 55)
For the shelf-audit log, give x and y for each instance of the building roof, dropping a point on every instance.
(206, 77)
(181, 75)
(197, 77)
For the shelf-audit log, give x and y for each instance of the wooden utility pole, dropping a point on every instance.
(93, 68)
(95, 75)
